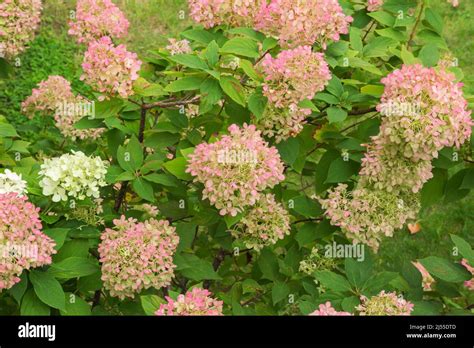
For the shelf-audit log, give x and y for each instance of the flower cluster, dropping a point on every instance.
(326, 309)
(427, 280)
(264, 224)
(54, 96)
(210, 13)
(12, 182)
(303, 22)
(110, 69)
(374, 5)
(19, 20)
(137, 255)
(408, 142)
(293, 22)
(72, 175)
(366, 215)
(293, 76)
(178, 47)
(398, 161)
(468, 283)
(22, 244)
(385, 304)
(48, 95)
(195, 302)
(236, 168)
(97, 18)
(316, 261)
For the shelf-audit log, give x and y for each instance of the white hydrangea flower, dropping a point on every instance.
(12, 182)
(75, 175)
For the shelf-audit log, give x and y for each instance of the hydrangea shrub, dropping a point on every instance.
(254, 165)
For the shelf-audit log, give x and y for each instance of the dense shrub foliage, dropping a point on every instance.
(254, 165)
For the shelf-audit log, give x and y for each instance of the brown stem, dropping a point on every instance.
(418, 19)
(120, 196)
(368, 30)
(141, 131)
(215, 264)
(170, 103)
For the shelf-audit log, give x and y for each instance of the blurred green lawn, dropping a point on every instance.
(153, 21)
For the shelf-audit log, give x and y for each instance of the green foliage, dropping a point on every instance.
(148, 143)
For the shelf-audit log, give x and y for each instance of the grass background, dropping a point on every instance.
(53, 52)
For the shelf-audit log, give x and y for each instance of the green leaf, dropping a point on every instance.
(429, 55)
(279, 292)
(268, 264)
(18, 290)
(379, 281)
(257, 104)
(232, 220)
(7, 130)
(151, 303)
(108, 108)
(76, 306)
(333, 281)
(341, 171)
(190, 61)
(177, 167)
(357, 272)
(73, 267)
(383, 17)
(378, 47)
(58, 235)
(162, 179)
(212, 53)
(445, 270)
(249, 70)
(130, 158)
(189, 83)
(434, 20)
(355, 37)
(199, 35)
(336, 114)
(232, 87)
(32, 305)
(464, 248)
(143, 189)
(194, 268)
(48, 289)
(289, 150)
(241, 46)
(433, 190)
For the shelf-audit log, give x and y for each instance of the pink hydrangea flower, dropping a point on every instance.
(326, 309)
(22, 244)
(19, 20)
(211, 13)
(366, 215)
(178, 46)
(137, 255)
(195, 302)
(468, 283)
(110, 69)
(385, 304)
(303, 22)
(97, 18)
(427, 280)
(293, 76)
(54, 96)
(236, 169)
(374, 5)
(264, 224)
(424, 111)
